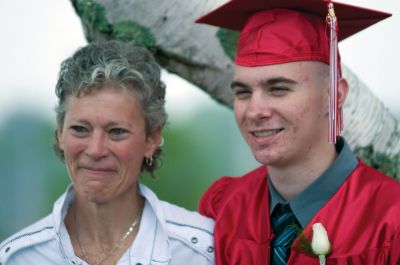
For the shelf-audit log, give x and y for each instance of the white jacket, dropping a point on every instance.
(168, 234)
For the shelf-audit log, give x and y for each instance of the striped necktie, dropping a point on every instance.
(283, 221)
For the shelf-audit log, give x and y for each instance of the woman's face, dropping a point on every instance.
(104, 142)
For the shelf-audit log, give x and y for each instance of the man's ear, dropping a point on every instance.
(343, 90)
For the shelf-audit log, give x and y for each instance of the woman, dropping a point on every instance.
(110, 116)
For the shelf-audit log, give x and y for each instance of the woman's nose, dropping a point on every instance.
(96, 148)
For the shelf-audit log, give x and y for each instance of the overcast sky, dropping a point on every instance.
(37, 35)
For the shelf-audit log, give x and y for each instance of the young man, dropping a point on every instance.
(287, 89)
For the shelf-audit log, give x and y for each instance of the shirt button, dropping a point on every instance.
(210, 249)
(7, 249)
(138, 263)
(194, 240)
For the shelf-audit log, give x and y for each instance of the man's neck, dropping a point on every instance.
(291, 180)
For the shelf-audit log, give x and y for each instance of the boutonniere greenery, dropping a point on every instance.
(316, 245)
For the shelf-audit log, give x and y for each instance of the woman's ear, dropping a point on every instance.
(153, 141)
(59, 138)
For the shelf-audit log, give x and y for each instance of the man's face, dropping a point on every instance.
(282, 110)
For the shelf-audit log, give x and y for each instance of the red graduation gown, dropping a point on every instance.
(362, 220)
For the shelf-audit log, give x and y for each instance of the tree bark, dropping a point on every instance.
(203, 55)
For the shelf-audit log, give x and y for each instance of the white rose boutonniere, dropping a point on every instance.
(320, 244)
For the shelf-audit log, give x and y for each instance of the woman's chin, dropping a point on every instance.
(96, 194)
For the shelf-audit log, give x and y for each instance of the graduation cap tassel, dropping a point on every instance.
(335, 115)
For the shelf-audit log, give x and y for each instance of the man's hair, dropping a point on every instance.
(119, 66)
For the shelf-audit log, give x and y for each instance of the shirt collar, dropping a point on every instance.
(60, 210)
(151, 244)
(275, 197)
(314, 197)
(61, 206)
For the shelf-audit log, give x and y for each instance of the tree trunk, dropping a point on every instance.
(203, 55)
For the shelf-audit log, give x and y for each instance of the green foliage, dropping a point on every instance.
(196, 154)
(228, 40)
(31, 176)
(133, 33)
(92, 14)
(303, 242)
(388, 165)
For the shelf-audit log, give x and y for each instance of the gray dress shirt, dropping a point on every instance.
(310, 201)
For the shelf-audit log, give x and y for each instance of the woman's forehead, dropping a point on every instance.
(108, 101)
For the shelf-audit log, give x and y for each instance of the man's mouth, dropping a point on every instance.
(266, 133)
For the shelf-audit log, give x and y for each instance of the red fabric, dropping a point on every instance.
(362, 220)
(280, 36)
(282, 31)
(235, 13)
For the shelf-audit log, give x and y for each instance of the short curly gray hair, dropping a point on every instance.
(123, 67)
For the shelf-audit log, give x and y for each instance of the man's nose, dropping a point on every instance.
(259, 107)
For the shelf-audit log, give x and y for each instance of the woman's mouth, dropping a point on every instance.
(95, 170)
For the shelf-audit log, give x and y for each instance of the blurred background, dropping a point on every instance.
(202, 141)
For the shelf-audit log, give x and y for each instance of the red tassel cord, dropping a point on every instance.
(335, 114)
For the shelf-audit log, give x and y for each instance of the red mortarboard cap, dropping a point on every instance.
(279, 31)
(283, 31)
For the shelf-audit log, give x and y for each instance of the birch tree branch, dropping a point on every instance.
(203, 55)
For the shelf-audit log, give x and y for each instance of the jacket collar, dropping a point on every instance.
(151, 244)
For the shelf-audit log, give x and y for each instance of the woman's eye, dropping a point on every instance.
(117, 132)
(78, 129)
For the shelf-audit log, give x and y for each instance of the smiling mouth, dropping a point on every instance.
(266, 133)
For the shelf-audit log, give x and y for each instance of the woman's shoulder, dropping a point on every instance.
(186, 230)
(37, 241)
(181, 220)
(28, 238)
(190, 229)
(175, 215)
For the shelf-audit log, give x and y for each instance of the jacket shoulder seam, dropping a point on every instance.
(18, 237)
(190, 226)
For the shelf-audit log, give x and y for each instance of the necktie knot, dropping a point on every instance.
(282, 217)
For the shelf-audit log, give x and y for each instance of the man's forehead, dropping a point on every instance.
(292, 70)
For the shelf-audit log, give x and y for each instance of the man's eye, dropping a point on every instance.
(279, 91)
(241, 93)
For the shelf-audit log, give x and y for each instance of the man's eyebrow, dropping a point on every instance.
(238, 84)
(266, 82)
(276, 80)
